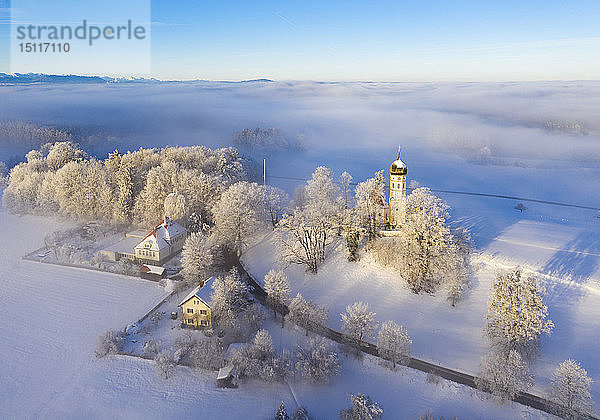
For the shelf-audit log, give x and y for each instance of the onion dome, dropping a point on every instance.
(398, 167)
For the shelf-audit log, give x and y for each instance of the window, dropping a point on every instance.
(190, 310)
(190, 321)
(203, 322)
(196, 302)
(202, 311)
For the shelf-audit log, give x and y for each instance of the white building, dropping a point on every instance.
(153, 248)
(162, 243)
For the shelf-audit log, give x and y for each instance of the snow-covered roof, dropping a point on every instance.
(161, 235)
(153, 269)
(398, 167)
(125, 245)
(202, 292)
(224, 372)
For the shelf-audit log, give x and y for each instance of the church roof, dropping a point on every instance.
(398, 167)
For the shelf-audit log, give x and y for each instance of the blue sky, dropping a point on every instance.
(380, 41)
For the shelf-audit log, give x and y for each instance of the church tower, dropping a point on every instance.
(397, 191)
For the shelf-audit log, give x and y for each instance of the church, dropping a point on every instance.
(393, 212)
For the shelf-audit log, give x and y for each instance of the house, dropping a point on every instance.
(152, 272)
(162, 243)
(195, 310)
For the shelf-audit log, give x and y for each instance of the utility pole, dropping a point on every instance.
(265, 171)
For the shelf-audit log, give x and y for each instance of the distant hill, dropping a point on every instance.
(38, 78)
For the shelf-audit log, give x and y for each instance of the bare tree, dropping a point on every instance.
(109, 342)
(304, 234)
(306, 314)
(165, 364)
(276, 201)
(318, 362)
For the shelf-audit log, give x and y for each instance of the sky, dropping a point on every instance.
(365, 41)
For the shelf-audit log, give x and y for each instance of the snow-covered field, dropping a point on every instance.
(454, 337)
(50, 319)
(52, 316)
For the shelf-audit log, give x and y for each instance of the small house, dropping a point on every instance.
(225, 377)
(195, 310)
(152, 272)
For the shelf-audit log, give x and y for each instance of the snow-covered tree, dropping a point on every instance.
(425, 236)
(3, 175)
(304, 234)
(370, 200)
(393, 343)
(306, 314)
(109, 342)
(238, 214)
(229, 296)
(206, 353)
(301, 414)
(358, 321)
(194, 223)
(504, 374)
(425, 252)
(165, 364)
(458, 265)
(125, 197)
(276, 201)
(200, 253)
(150, 348)
(570, 388)
(249, 322)
(278, 289)
(174, 206)
(321, 195)
(345, 182)
(352, 240)
(317, 362)
(517, 315)
(363, 408)
(281, 413)
(256, 359)
(61, 153)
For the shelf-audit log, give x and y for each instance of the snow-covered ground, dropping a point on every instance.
(454, 337)
(49, 371)
(50, 319)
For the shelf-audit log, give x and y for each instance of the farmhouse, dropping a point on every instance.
(195, 310)
(161, 244)
(154, 248)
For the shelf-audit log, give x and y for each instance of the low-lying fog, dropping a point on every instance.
(540, 139)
